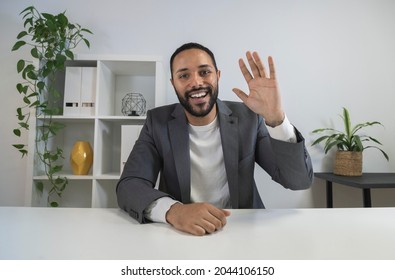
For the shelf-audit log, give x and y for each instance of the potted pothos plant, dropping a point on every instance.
(51, 39)
(350, 143)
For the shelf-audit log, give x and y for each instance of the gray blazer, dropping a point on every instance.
(163, 148)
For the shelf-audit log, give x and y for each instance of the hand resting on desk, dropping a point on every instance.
(197, 218)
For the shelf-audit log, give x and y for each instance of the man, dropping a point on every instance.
(205, 149)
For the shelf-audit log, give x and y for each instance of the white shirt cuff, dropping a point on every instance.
(283, 132)
(157, 210)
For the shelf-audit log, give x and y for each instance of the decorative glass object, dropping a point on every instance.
(81, 158)
(133, 104)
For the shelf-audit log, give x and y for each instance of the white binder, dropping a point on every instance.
(80, 91)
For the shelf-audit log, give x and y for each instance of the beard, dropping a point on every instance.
(200, 110)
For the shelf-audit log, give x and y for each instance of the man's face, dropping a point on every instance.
(195, 81)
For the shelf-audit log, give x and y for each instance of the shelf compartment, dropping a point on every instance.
(104, 195)
(78, 193)
(118, 78)
(107, 158)
(74, 130)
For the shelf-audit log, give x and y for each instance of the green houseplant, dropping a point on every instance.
(349, 143)
(51, 39)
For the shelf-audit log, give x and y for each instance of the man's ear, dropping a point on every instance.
(218, 74)
(171, 81)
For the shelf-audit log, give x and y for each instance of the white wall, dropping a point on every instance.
(328, 54)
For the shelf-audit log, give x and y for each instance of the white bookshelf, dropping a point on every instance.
(116, 76)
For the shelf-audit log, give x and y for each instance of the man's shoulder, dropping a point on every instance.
(169, 108)
(236, 107)
(165, 112)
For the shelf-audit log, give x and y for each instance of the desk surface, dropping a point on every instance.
(367, 180)
(71, 233)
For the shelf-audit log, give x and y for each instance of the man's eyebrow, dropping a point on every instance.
(205, 65)
(200, 66)
(181, 70)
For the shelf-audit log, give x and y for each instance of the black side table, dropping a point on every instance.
(365, 182)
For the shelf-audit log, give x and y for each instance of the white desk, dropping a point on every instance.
(66, 233)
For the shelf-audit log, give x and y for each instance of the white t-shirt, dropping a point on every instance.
(208, 175)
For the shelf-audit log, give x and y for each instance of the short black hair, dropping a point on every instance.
(189, 46)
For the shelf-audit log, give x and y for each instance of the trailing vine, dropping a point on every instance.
(51, 39)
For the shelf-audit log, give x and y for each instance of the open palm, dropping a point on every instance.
(264, 97)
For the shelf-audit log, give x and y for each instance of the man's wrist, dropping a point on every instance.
(283, 132)
(156, 212)
(276, 121)
(168, 215)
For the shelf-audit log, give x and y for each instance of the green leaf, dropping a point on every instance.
(60, 181)
(322, 138)
(17, 132)
(54, 204)
(374, 140)
(24, 152)
(55, 169)
(20, 65)
(358, 143)
(319, 130)
(19, 87)
(26, 100)
(63, 186)
(46, 72)
(40, 186)
(69, 54)
(347, 122)
(24, 125)
(384, 153)
(19, 114)
(86, 42)
(32, 94)
(34, 104)
(46, 155)
(34, 53)
(51, 25)
(48, 16)
(54, 157)
(18, 45)
(86, 30)
(362, 125)
(18, 146)
(32, 75)
(60, 60)
(330, 145)
(30, 9)
(41, 85)
(62, 20)
(21, 34)
(28, 21)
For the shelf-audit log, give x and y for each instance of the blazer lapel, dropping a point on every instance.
(230, 147)
(179, 139)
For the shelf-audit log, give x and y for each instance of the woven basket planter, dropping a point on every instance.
(348, 163)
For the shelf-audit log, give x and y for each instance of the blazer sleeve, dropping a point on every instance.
(289, 164)
(136, 188)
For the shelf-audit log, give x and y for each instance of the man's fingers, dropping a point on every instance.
(259, 64)
(197, 218)
(253, 62)
(271, 68)
(244, 70)
(241, 94)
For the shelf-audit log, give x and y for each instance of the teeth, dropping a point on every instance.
(198, 95)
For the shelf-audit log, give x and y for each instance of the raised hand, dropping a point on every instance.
(264, 96)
